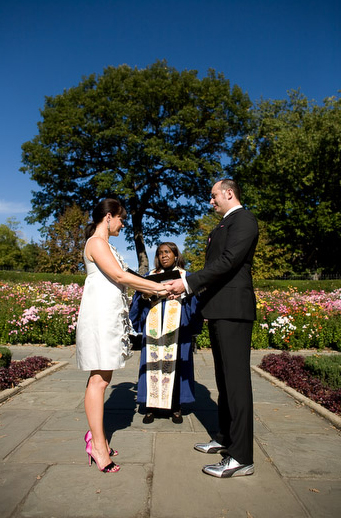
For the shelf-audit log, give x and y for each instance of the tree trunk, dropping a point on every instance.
(140, 247)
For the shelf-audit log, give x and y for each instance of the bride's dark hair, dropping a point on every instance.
(101, 210)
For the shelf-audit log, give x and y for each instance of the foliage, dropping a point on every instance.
(326, 368)
(270, 260)
(15, 252)
(291, 370)
(41, 313)
(202, 340)
(62, 250)
(10, 253)
(289, 168)
(196, 240)
(5, 356)
(21, 370)
(155, 137)
(30, 254)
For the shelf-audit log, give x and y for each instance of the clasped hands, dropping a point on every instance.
(173, 289)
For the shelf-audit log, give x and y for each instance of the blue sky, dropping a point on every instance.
(267, 47)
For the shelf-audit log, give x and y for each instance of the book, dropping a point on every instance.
(159, 277)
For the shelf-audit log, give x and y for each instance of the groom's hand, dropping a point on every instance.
(175, 287)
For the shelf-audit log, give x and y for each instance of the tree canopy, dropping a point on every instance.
(156, 138)
(289, 168)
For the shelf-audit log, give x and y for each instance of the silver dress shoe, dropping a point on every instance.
(228, 468)
(210, 447)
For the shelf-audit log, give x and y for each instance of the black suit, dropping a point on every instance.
(229, 304)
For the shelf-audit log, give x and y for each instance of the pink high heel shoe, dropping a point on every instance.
(110, 468)
(88, 437)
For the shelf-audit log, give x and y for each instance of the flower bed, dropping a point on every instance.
(20, 370)
(40, 313)
(294, 371)
(46, 313)
(291, 320)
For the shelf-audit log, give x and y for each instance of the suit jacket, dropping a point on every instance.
(225, 282)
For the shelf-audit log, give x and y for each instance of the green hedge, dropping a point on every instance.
(62, 278)
(301, 285)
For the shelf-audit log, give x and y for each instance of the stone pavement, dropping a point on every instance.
(44, 469)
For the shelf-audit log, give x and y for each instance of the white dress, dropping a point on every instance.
(103, 327)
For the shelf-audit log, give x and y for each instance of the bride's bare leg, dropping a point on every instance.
(94, 409)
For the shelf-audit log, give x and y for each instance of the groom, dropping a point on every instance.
(228, 301)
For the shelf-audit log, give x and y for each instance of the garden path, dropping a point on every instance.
(44, 470)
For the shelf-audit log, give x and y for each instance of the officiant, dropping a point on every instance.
(166, 374)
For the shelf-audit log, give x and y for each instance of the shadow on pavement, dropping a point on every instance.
(204, 408)
(119, 408)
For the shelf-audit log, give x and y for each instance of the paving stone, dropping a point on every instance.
(16, 425)
(322, 498)
(14, 488)
(81, 492)
(191, 493)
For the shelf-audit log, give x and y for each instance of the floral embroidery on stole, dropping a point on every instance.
(161, 352)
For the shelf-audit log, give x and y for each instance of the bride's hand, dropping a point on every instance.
(162, 292)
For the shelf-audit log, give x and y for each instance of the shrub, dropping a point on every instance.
(5, 356)
(20, 370)
(203, 339)
(326, 368)
(292, 370)
(260, 336)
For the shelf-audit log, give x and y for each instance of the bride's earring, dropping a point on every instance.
(108, 225)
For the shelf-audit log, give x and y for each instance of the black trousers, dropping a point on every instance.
(231, 347)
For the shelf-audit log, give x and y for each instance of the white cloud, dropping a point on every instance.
(12, 207)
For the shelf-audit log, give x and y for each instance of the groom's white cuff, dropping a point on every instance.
(187, 288)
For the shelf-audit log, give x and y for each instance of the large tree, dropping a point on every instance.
(154, 137)
(289, 166)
